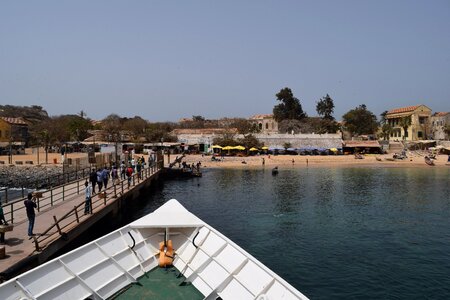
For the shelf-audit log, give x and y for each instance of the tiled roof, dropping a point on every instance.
(204, 131)
(262, 116)
(441, 114)
(403, 109)
(14, 121)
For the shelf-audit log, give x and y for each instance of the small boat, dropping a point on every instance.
(275, 171)
(167, 252)
(429, 161)
(378, 158)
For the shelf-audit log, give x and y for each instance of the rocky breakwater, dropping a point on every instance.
(32, 177)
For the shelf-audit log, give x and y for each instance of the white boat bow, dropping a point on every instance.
(216, 267)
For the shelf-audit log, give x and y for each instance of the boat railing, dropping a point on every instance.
(76, 215)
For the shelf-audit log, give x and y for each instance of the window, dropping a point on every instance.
(419, 134)
(260, 126)
(267, 125)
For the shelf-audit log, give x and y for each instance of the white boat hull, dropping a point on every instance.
(211, 262)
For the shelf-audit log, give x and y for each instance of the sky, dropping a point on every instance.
(166, 60)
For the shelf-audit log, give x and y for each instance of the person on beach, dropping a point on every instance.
(2, 222)
(100, 179)
(30, 205)
(93, 179)
(88, 194)
(263, 161)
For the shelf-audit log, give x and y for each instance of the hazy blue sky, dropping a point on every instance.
(164, 60)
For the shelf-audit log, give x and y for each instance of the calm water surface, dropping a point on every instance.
(332, 233)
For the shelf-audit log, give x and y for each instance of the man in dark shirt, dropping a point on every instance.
(30, 204)
(93, 179)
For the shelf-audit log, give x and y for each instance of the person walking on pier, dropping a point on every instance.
(93, 179)
(105, 177)
(129, 174)
(100, 179)
(30, 205)
(88, 194)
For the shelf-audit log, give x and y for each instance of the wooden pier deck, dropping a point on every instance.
(61, 212)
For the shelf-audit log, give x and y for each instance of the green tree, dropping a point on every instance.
(404, 123)
(386, 131)
(137, 126)
(249, 141)
(360, 121)
(289, 108)
(383, 119)
(325, 107)
(112, 125)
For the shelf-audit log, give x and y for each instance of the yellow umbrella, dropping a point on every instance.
(253, 149)
(265, 148)
(333, 149)
(216, 147)
(239, 147)
(227, 148)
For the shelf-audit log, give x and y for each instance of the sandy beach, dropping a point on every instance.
(413, 160)
(299, 161)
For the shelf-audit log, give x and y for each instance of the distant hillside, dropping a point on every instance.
(33, 114)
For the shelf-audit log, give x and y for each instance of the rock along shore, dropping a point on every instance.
(12, 176)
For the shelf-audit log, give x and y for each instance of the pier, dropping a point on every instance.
(60, 218)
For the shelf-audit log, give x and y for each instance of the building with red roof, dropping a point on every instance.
(415, 119)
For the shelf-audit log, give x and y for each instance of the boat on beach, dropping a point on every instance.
(168, 254)
(429, 161)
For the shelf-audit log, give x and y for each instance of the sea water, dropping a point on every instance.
(354, 233)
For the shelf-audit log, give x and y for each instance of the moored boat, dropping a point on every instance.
(275, 171)
(192, 254)
(429, 161)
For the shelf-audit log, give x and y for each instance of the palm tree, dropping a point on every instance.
(404, 123)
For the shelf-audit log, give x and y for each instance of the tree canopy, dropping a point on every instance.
(325, 107)
(289, 108)
(360, 121)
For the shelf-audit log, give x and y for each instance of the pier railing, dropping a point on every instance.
(45, 182)
(76, 215)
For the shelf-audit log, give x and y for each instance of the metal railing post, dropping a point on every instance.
(12, 212)
(76, 213)
(78, 187)
(51, 196)
(57, 225)
(63, 192)
(121, 183)
(6, 195)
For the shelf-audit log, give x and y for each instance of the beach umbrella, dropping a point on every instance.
(241, 148)
(333, 149)
(227, 148)
(253, 149)
(265, 148)
(217, 147)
